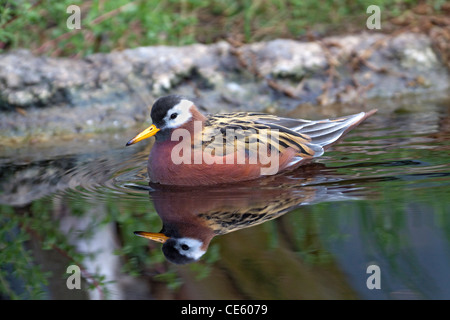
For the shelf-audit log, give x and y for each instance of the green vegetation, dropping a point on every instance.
(41, 25)
(31, 278)
(24, 277)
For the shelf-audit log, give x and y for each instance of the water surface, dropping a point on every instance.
(379, 198)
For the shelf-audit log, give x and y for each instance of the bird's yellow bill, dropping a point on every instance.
(147, 133)
(159, 237)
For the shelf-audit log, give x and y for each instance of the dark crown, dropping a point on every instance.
(162, 105)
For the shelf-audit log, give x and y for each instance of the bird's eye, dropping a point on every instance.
(173, 115)
(184, 247)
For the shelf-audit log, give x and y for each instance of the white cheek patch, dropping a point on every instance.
(184, 114)
(195, 251)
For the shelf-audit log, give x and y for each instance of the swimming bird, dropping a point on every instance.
(194, 149)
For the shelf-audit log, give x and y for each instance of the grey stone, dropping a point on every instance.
(116, 90)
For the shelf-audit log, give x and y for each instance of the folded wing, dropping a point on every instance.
(309, 137)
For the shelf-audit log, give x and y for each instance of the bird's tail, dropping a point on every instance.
(327, 132)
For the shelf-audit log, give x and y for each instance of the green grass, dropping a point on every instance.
(40, 25)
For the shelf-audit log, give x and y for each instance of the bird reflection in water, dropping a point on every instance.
(193, 216)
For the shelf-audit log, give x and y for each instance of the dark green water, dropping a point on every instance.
(380, 198)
